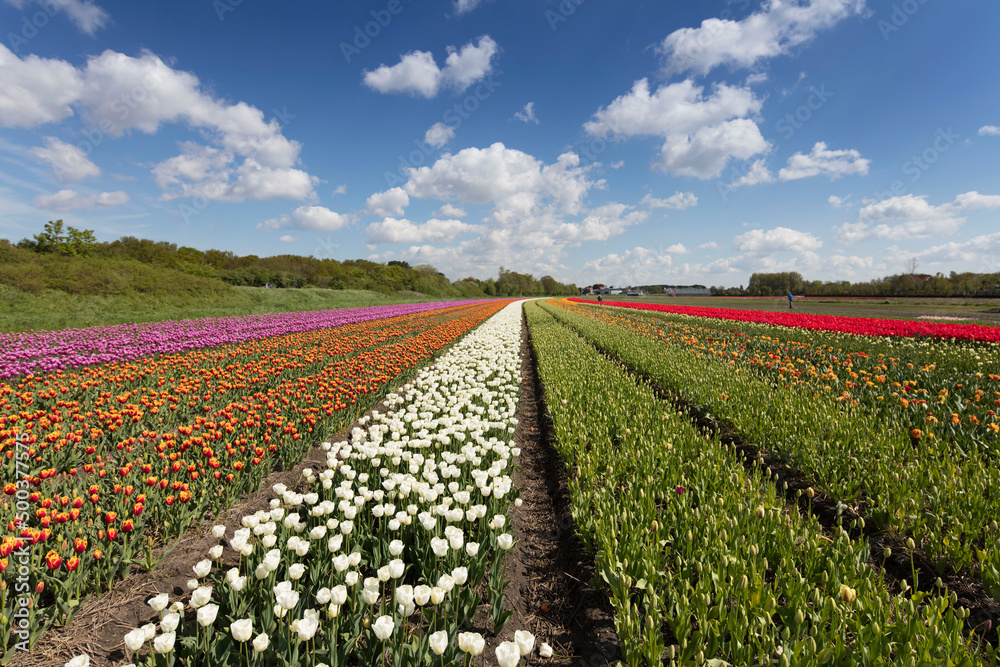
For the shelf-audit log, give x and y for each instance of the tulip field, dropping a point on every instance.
(117, 440)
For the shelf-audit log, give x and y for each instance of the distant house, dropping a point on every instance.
(691, 291)
(633, 292)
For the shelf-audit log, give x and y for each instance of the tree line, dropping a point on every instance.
(912, 284)
(282, 271)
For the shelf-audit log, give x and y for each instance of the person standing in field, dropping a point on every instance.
(791, 298)
(600, 299)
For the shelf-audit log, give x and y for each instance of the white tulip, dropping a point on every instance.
(508, 654)
(472, 548)
(383, 627)
(307, 628)
(201, 597)
(218, 531)
(164, 643)
(471, 643)
(506, 541)
(338, 595)
(169, 622)
(460, 575)
(203, 567)
(242, 629)
(149, 631)
(215, 552)
(159, 603)
(207, 614)
(439, 642)
(545, 650)
(261, 642)
(395, 547)
(135, 639)
(79, 661)
(525, 641)
(287, 599)
(296, 571)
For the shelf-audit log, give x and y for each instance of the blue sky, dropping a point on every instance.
(626, 143)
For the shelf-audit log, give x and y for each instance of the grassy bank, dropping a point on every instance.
(54, 309)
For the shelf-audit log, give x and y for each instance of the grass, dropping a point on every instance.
(965, 311)
(55, 309)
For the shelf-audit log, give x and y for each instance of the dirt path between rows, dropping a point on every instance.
(548, 569)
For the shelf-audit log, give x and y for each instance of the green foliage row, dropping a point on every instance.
(945, 500)
(964, 284)
(703, 562)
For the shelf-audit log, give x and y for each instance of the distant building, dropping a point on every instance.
(691, 291)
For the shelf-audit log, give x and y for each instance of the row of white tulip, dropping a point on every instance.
(381, 560)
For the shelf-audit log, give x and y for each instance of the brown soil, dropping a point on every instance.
(548, 569)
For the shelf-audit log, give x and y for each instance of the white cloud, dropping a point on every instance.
(87, 16)
(826, 162)
(287, 238)
(35, 91)
(392, 230)
(678, 200)
(465, 6)
(71, 165)
(758, 173)
(450, 211)
(527, 114)
(989, 131)
(701, 133)
(979, 252)
(417, 73)
(778, 26)
(709, 245)
(637, 266)
(501, 174)
(439, 134)
(837, 202)
(310, 218)
(249, 157)
(677, 249)
(389, 203)
(70, 200)
(912, 217)
(341, 189)
(779, 239)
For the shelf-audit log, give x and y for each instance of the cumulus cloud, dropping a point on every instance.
(772, 31)
(310, 218)
(678, 201)
(709, 245)
(912, 217)
(392, 230)
(287, 238)
(989, 131)
(71, 200)
(389, 203)
(701, 132)
(837, 202)
(417, 73)
(248, 157)
(677, 249)
(465, 6)
(35, 91)
(527, 114)
(439, 134)
(450, 211)
(822, 161)
(70, 164)
(86, 15)
(757, 174)
(779, 239)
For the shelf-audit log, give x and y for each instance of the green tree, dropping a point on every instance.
(68, 241)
